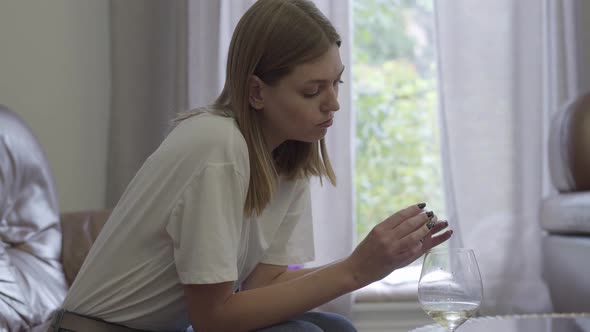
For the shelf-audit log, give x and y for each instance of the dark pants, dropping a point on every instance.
(311, 322)
(314, 322)
(308, 322)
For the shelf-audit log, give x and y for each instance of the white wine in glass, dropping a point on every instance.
(450, 288)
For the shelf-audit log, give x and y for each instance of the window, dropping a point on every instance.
(395, 100)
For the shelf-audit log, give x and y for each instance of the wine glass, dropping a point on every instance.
(450, 288)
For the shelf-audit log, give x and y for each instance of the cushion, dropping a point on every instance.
(566, 270)
(569, 146)
(567, 213)
(32, 283)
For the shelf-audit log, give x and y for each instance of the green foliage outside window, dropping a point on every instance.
(395, 100)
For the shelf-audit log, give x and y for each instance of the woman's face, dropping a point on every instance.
(302, 105)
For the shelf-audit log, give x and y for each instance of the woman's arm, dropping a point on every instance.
(392, 244)
(215, 308)
(268, 274)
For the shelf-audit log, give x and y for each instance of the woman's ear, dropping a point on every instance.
(255, 86)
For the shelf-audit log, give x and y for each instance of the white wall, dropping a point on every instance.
(55, 73)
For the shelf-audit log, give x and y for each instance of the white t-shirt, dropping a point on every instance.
(181, 221)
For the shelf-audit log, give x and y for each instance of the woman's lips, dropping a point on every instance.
(326, 123)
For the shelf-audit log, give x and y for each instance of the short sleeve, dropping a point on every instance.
(293, 242)
(206, 223)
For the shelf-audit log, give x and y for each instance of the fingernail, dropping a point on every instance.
(430, 214)
(421, 205)
(430, 224)
(446, 223)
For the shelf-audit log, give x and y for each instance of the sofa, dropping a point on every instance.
(41, 249)
(565, 215)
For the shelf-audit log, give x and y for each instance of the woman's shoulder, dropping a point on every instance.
(207, 136)
(207, 120)
(208, 125)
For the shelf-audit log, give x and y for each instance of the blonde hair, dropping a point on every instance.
(270, 40)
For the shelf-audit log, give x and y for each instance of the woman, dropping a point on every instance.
(205, 231)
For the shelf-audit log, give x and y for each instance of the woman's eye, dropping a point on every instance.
(311, 94)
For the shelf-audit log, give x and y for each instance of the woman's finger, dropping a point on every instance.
(437, 240)
(439, 226)
(412, 239)
(404, 214)
(414, 223)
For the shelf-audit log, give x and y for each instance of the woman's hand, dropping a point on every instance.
(430, 241)
(394, 243)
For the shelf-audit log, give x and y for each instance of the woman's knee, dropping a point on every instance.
(294, 325)
(328, 321)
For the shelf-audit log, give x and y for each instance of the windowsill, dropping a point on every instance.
(390, 317)
(399, 286)
(390, 304)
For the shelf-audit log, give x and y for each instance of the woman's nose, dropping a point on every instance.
(331, 103)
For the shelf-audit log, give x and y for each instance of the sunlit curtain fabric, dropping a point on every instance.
(505, 67)
(333, 207)
(169, 56)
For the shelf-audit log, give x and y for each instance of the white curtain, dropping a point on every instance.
(333, 207)
(171, 55)
(567, 51)
(210, 28)
(149, 83)
(504, 67)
